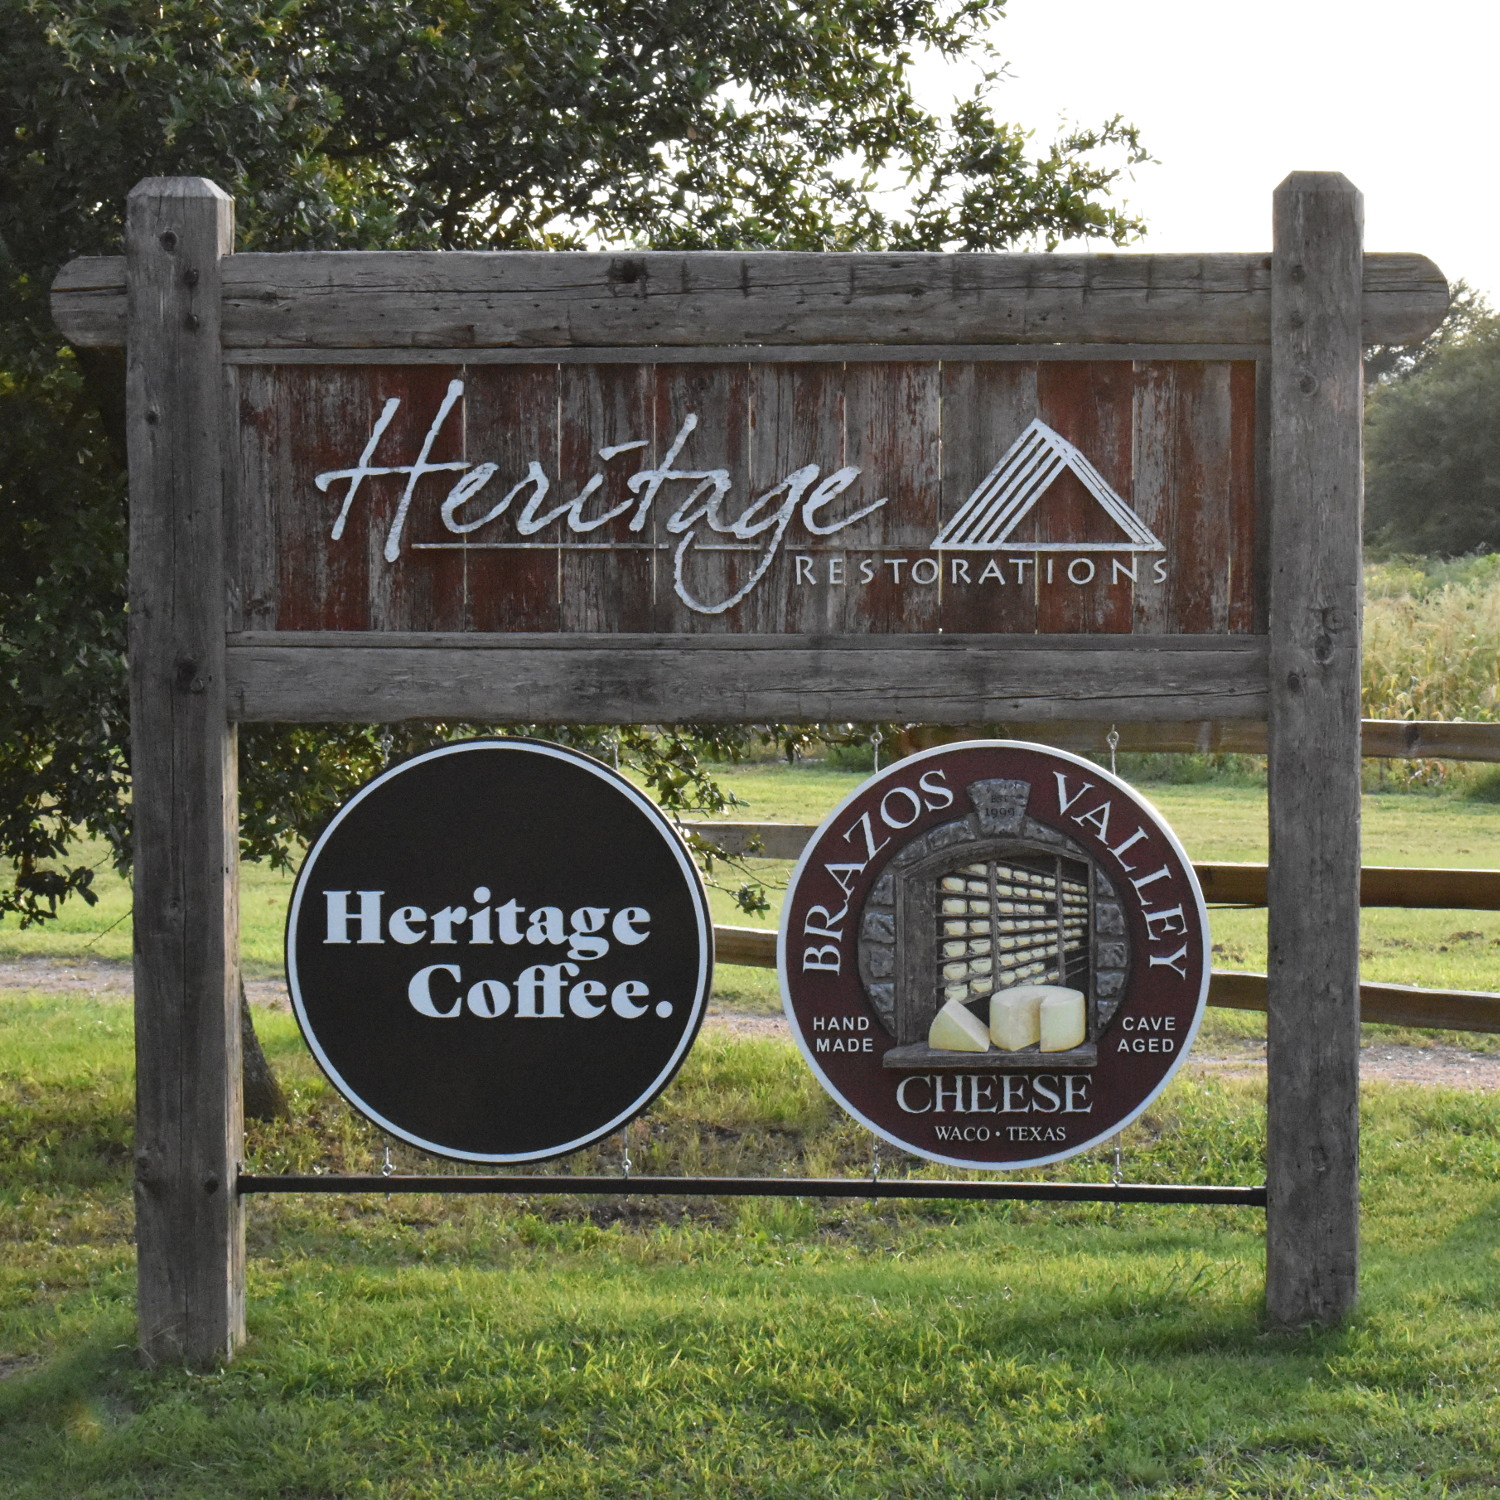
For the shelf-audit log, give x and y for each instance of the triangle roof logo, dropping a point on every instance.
(1009, 493)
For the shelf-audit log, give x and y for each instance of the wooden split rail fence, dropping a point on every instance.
(1380, 739)
(1224, 884)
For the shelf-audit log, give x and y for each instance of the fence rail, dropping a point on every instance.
(1382, 1004)
(1380, 739)
(1225, 884)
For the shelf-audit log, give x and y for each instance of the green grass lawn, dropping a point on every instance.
(558, 1347)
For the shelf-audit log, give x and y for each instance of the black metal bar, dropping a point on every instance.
(767, 1187)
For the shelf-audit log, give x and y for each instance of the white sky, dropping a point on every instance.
(1404, 99)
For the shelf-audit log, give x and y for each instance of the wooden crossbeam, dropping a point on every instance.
(457, 301)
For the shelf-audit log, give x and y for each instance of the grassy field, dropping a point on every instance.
(558, 1346)
(1216, 818)
(555, 1347)
(562, 1347)
(1432, 638)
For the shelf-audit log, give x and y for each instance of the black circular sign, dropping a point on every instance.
(994, 954)
(499, 951)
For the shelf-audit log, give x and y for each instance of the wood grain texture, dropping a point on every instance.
(1226, 884)
(1231, 884)
(464, 300)
(1410, 887)
(1380, 739)
(604, 679)
(1428, 739)
(750, 354)
(1380, 1004)
(607, 551)
(1316, 477)
(986, 408)
(189, 1225)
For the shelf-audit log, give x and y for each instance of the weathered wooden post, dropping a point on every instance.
(1134, 592)
(1316, 415)
(189, 1224)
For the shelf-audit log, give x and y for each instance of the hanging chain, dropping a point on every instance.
(874, 1157)
(388, 1167)
(625, 1152)
(1112, 739)
(876, 741)
(1118, 1175)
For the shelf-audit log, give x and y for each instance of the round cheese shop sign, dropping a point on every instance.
(994, 954)
(499, 951)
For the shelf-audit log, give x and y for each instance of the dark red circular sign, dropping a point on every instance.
(994, 954)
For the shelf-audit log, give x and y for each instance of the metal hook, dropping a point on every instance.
(1112, 739)
(876, 741)
(625, 1152)
(874, 1158)
(1118, 1175)
(388, 1169)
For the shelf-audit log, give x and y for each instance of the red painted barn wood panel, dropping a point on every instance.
(908, 497)
(510, 420)
(986, 408)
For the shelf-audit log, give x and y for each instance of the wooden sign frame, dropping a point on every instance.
(190, 314)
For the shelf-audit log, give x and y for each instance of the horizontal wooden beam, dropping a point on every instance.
(1380, 739)
(1230, 884)
(755, 840)
(537, 299)
(383, 677)
(1379, 885)
(1379, 1004)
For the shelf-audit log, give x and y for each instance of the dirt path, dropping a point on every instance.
(1449, 1067)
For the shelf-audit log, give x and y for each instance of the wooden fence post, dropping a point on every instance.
(1316, 415)
(189, 1226)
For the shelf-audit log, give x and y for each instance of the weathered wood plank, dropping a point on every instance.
(513, 421)
(985, 409)
(1380, 739)
(892, 413)
(465, 300)
(1093, 406)
(1316, 478)
(1395, 739)
(1410, 887)
(740, 679)
(1379, 1004)
(913, 442)
(756, 840)
(755, 354)
(600, 591)
(189, 1226)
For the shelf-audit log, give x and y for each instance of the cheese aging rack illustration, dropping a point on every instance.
(982, 907)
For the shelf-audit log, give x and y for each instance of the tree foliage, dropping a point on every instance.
(427, 124)
(1432, 480)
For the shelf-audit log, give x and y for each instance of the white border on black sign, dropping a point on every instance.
(901, 766)
(679, 850)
